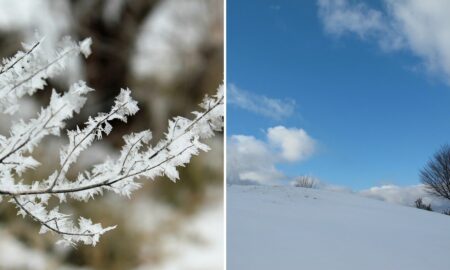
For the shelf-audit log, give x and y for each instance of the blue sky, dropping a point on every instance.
(376, 112)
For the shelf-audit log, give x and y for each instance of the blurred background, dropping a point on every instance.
(170, 54)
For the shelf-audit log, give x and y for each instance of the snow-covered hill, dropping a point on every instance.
(294, 228)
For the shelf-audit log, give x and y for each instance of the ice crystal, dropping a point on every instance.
(27, 72)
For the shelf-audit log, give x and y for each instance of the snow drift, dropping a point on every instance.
(295, 228)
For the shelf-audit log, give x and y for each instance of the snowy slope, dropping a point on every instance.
(294, 228)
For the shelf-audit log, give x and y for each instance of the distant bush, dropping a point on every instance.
(446, 212)
(306, 181)
(436, 174)
(419, 204)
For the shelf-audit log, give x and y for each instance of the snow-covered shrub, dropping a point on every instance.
(27, 72)
(421, 205)
(305, 181)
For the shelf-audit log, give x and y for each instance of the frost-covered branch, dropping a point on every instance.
(25, 73)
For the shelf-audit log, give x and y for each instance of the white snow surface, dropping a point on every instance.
(284, 227)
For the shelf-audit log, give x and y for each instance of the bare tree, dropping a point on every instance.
(436, 174)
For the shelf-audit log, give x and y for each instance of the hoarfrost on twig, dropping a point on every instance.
(27, 72)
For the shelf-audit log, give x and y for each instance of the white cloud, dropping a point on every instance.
(268, 107)
(405, 196)
(250, 160)
(340, 17)
(295, 143)
(418, 26)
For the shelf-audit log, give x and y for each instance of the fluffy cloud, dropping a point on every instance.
(250, 160)
(339, 17)
(273, 108)
(295, 144)
(405, 196)
(418, 26)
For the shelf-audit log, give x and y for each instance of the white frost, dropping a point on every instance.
(27, 72)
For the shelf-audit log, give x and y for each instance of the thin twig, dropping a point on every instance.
(20, 58)
(45, 224)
